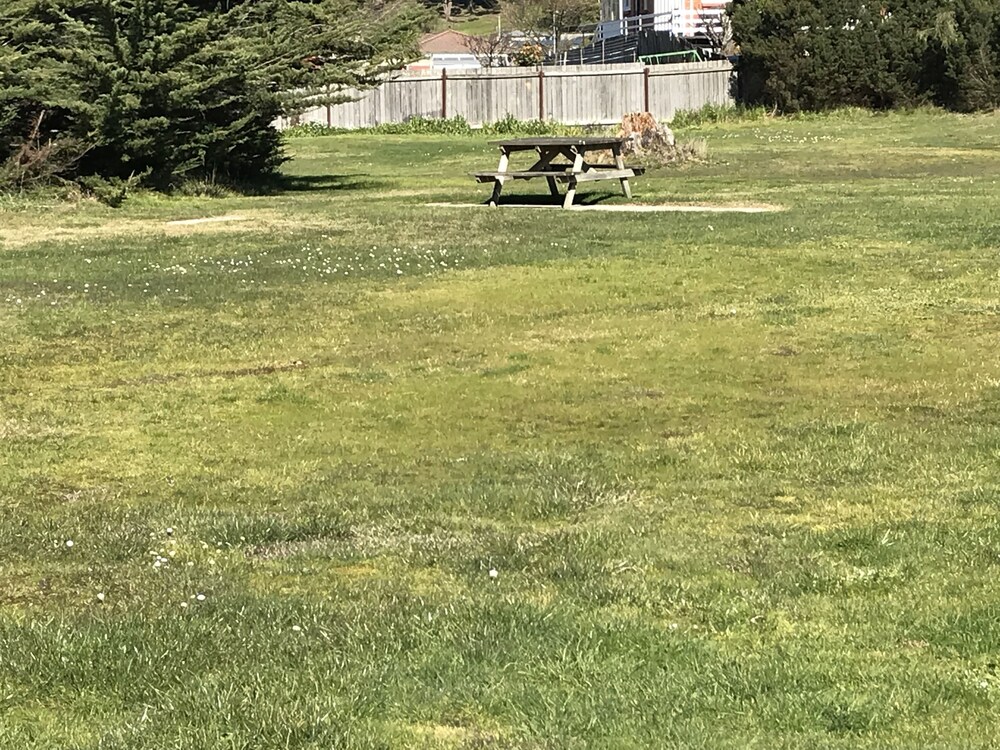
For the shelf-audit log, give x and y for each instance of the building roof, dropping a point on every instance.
(444, 41)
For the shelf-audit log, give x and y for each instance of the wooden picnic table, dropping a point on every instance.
(574, 170)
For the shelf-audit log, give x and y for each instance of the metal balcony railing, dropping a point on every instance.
(685, 23)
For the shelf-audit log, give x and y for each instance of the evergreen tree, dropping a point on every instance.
(964, 39)
(166, 89)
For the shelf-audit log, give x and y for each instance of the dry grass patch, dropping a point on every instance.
(73, 228)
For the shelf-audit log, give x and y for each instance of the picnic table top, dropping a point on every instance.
(602, 141)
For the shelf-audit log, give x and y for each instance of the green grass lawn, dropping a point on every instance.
(470, 23)
(739, 475)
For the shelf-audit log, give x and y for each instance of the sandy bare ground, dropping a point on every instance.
(67, 227)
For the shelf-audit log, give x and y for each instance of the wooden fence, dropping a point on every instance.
(573, 95)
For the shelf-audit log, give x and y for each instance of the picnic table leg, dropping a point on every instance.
(545, 157)
(571, 185)
(498, 181)
(620, 163)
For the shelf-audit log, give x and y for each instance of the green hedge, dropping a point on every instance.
(450, 126)
(820, 54)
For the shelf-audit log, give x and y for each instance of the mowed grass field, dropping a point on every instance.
(738, 474)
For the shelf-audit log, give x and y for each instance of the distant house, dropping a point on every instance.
(684, 18)
(445, 49)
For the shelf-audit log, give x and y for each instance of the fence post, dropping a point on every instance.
(329, 115)
(541, 94)
(444, 93)
(645, 89)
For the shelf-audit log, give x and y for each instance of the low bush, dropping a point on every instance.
(457, 125)
(413, 126)
(716, 113)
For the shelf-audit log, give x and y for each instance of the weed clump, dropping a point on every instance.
(651, 144)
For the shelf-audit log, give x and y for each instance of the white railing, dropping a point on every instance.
(684, 22)
(698, 23)
(635, 24)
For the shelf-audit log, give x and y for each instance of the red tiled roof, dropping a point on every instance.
(444, 41)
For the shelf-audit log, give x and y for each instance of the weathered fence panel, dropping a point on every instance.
(672, 88)
(572, 94)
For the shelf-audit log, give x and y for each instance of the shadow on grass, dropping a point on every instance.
(313, 183)
(320, 183)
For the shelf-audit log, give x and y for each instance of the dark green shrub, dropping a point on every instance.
(821, 54)
(170, 90)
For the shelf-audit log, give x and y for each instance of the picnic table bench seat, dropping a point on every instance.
(600, 172)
